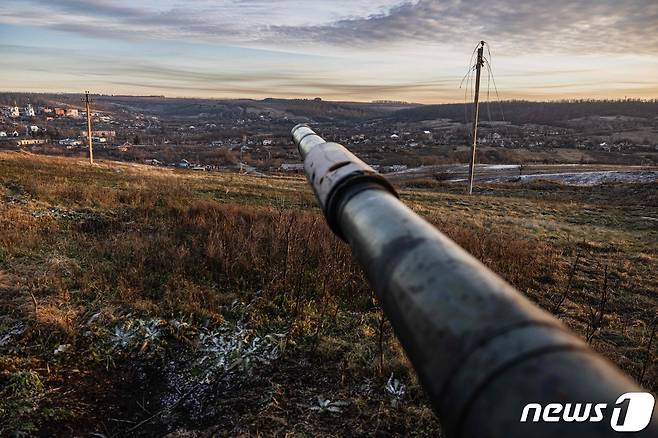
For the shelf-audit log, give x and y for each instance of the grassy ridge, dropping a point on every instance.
(88, 252)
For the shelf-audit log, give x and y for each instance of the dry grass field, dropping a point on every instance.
(144, 301)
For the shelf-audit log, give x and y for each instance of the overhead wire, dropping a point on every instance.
(488, 64)
(470, 65)
(488, 85)
(468, 79)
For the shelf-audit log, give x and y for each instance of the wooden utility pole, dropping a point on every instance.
(88, 109)
(476, 104)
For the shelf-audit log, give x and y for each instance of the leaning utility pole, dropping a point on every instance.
(88, 109)
(476, 104)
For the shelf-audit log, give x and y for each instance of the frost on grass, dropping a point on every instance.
(63, 213)
(325, 405)
(230, 348)
(62, 348)
(147, 334)
(123, 335)
(367, 387)
(223, 356)
(396, 390)
(10, 333)
(201, 362)
(224, 348)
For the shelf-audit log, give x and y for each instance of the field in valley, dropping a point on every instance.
(139, 300)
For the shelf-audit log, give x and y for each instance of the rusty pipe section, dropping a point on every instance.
(482, 350)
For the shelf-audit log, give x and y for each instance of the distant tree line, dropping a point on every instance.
(522, 111)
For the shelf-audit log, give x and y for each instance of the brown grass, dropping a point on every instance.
(116, 238)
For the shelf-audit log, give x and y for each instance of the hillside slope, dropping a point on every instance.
(143, 301)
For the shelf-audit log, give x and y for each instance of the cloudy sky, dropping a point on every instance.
(338, 49)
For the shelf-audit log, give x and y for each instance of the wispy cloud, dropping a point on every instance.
(602, 26)
(608, 26)
(414, 50)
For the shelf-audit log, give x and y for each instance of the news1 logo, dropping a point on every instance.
(631, 413)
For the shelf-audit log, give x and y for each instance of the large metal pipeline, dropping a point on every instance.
(482, 351)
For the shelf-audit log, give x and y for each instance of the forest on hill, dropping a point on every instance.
(515, 111)
(521, 111)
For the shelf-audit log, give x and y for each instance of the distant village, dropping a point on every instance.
(30, 130)
(63, 127)
(257, 140)
(34, 126)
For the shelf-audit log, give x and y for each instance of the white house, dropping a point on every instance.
(29, 111)
(69, 142)
(34, 129)
(3, 134)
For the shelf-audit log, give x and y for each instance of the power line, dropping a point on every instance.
(493, 79)
(468, 78)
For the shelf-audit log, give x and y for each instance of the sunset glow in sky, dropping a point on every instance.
(340, 49)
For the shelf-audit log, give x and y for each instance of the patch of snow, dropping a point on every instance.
(497, 166)
(596, 177)
(396, 390)
(12, 332)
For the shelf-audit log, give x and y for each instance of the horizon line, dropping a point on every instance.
(372, 101)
